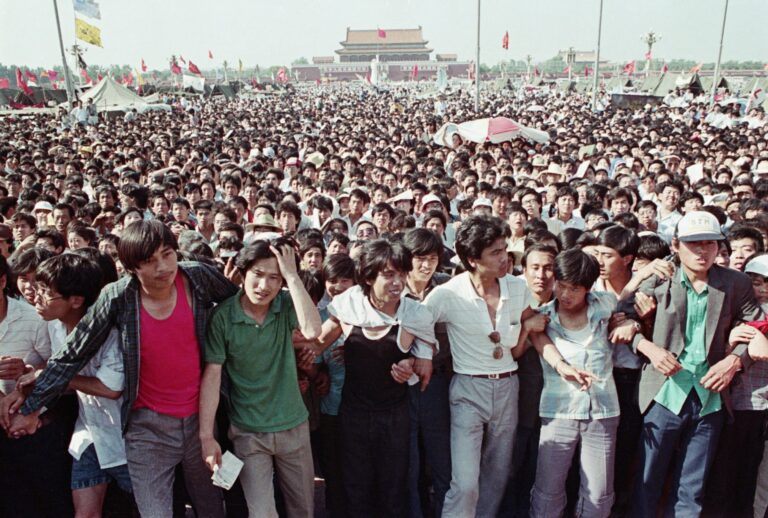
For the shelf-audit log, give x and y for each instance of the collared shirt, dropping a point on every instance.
(588, 349)
(23, 334)
(556, 225)
(119, 306)
(260, 363)
(98, 420)
(667, 225)
(443, 354)
(465, 314)
(693, 359)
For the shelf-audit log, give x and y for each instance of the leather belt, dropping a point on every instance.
(495, 376)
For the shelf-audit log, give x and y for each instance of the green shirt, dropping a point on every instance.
(675, 390)
(260, 363)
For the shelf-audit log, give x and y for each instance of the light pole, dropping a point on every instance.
(716, 79)
(597, 58)
(67, 76)
(649, 39)
(528, 60)
(477, 63)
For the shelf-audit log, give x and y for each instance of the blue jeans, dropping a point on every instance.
(694, 439)
(430, 443)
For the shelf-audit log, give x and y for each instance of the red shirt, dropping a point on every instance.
(169, 362)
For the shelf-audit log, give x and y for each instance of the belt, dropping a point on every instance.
(495, 376)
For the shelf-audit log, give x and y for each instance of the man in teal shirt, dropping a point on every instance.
(683, 392)
(250, 338)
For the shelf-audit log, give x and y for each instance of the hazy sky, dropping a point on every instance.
(277, 32)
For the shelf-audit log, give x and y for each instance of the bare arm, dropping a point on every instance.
(94, 387)
(209, 402)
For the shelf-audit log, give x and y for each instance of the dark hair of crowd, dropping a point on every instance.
(577, 267)
(259, 250)
(376, 256)
(141, 239)
(338, 266)
(621, 239)
(422, 242)
(538, 248)
(71, 275)
(476, 234)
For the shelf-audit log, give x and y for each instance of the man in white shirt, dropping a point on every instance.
(565, 202)
(482, 310)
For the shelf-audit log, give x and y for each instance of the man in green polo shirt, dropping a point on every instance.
(250, 338)
(681, 392)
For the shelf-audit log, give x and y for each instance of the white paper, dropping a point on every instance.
(225, 474)
(695, 173)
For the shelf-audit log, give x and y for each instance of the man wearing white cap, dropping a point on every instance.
(680, 394)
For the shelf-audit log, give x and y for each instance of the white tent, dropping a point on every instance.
(109, 95)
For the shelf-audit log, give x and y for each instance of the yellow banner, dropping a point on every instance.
(139, 77)
(87, 32)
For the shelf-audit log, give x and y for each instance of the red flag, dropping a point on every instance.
(567, 69)
(128, 79)
(648, 55)
(317, 82)
(382, 33)
(368, 76)
(4, 83)
(175, 69)
(696, 69)
(665, 69)
(99, 78)
(505, 41)
(52, 75)
(282, 76)
(193, 68)
(210, 55)
(415, 72)
(143, 65)
(587, 71)
(536, 72)
(55, 86)
(629, 68)
(22, 84)
(30, 75)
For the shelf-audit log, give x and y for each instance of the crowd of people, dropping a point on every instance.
(315, 284)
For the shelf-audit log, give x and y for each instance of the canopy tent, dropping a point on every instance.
(670, 81)
(754, 84)
(222, 89)
(650, 83)
(566, 86)
(618, 83)
(706, 83)
(109, 95)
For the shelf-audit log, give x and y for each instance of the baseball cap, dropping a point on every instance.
(43, 205)
(482, 202)
(699, 226)
(430, 198)
(758, 265)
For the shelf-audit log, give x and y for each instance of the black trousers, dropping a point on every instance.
(375, 451)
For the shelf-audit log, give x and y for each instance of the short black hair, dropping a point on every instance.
(476, 234)
(375, 257)
(577, 267)
(652, 247)
(421, 242)
(339, 266)
(28, 260)
(740, 231)
(627, 220)
(621, 239)
(141, 239)
(538, 248)
(105, 262)
(71, 275)
(258, 250)
(54, 235)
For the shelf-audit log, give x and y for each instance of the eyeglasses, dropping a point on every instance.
(45, 296)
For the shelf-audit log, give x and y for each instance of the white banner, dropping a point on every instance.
(195, 82)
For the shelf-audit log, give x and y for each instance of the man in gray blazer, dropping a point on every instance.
(683, 389)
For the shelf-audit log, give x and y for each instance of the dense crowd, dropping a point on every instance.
(313, 282)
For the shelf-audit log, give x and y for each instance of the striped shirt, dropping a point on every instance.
(23, 334)
(119, 306)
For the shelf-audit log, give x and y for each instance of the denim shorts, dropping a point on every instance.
(87, 472)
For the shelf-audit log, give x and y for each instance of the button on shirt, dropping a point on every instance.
(587, 349)
(465, 313)
(693, 358)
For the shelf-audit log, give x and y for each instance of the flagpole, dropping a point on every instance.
(477, 63)
(716, 79)
(67, 77)
(596, 81)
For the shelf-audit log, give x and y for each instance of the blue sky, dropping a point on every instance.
(277, 32)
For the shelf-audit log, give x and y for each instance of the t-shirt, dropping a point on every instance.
(260, 363)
